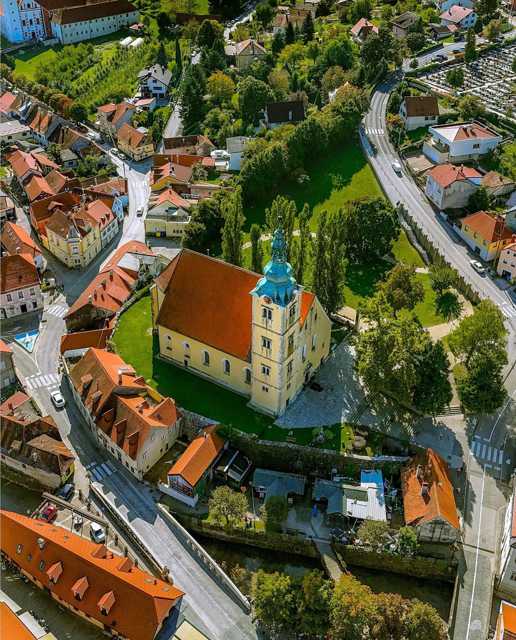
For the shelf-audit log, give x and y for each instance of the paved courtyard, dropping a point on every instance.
(340, 397)
(490, 77)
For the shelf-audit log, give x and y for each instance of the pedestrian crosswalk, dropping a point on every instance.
(40, 381)
(374, 132)
(508, 310)
(57, 310)
(100, 471)
(490, 456)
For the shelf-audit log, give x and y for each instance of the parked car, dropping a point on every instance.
(49, 513)
(77, 521)
(57, 399)
(441, 58)
(97, 533)
(478, 266)
(397, 167)
(66, 492)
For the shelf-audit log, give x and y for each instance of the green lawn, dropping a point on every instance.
(342, 175)
(26, 62)
(199, 7)
(404, 252)
(206, 398)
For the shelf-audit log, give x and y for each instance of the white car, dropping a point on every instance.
(478, 266)
(97, 533)
(57, 399)
(397, 167)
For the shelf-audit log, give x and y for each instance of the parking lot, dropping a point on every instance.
(490, 77)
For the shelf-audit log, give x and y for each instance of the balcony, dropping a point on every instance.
(436, 151)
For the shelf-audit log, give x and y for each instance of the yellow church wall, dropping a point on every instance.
(172, 346)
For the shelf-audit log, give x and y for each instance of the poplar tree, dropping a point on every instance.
(232, 231)
(303, 243)
(256, 249)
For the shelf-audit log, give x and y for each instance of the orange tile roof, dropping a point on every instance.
(7, 101)
(508, 613)
(473, 130)
(169, 195)
(44, 160)
(133, 246)
(447, 174)
(99, 213)
(198, 457)
(141, 602)
(493, 180)
(107, 108)
(4, 348)
(490, 228)
(17, 272)
(108, 291)
(132, 137)
(56, 181)
(38, 186)
(15, 239)
(85, 339)
(9, 406)
(11, 627)
(118, 185)
(43, 209)
(41, 121)
(22, 162)
(440, 502)
(120, 111)
(363, 23)
(98, 373)
(417, 106)
(209, 300)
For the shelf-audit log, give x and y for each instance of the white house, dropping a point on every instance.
(459, 142)
(419, 111)
(235, 147)
(20, 290)
(450, 187)
(459, 17)
(154, 81)
(78, 21)
(507, 574)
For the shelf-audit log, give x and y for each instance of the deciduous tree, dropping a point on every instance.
(274, 602)
(329, 266)
(253, 95)
(368, 242)
(401, 288)
(220, 87)
(303, 243)
(256, 249)
(352, 609)
(470, 50)
(275, 512)
(480, 388)
(227, 506)
(422, 622)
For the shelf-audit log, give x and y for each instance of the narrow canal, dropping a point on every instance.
(438, 594)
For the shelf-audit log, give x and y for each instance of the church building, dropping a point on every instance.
(262, 337)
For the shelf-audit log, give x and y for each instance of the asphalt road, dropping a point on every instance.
(484, 499)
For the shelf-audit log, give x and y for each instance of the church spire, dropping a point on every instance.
(277, 283)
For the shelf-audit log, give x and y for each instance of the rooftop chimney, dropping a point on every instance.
(425, 489)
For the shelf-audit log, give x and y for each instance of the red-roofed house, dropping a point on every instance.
(167, 214)
(459, 17)
(362, 29)
(9, 105)
(131, 420)
(135, 143)
(19, 406)
(428, 499)
(110, 117)
(43, 124)
(187, 478)
(507, 573)
(506, 623)
(450, 187)
(459, 142)
(91, 581)
(486, 234)
(263, 337)
(14, 239)
(20, 290)
(7, 371)
(131, 264)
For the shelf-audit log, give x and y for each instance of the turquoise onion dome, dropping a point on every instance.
(277, 283)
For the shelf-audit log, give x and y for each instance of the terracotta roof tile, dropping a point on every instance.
(15, 239)
(493, 180)
(489, 227)
(11, 626)
(456, 14)
(17, 272)
(84, 340)
(363, 24)
(4, 348)
(107, 291)
(198, 457)
(132, 137)
(8, 102)
(508, 612)
(447, 174)
(9, 406)
(22, 162)
(440, 501)
(141, 601)
(133, 246)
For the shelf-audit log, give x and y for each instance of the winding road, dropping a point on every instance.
(484, 500)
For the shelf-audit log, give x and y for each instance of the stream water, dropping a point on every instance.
(438, 594)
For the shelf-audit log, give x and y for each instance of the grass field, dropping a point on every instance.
(342, 175)
(26, 62)
(201, 396)
(200, 7)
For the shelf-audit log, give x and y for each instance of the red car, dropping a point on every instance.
(49, 513)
